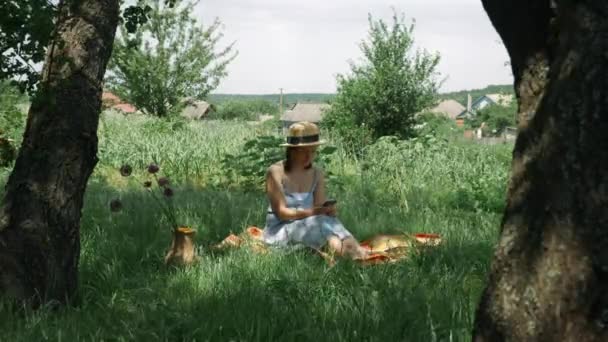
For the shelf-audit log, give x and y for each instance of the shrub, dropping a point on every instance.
(382, 95)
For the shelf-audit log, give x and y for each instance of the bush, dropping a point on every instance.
(247, 169)
(461, 176)
(244, 110)
(382, 95)
(12, 122)
(437, 126)
(496, 117)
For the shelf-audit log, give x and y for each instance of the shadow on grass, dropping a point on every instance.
(126, 292)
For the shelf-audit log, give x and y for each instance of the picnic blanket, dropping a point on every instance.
(383, 248)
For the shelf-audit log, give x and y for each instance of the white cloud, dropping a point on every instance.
(302, 45)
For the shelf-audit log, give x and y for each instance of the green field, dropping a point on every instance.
(451, 187)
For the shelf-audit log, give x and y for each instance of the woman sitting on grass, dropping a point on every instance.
(296, 192)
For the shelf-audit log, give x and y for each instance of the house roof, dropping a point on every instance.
(450, 108)
(498, 99)
(125, 107)
(110, 100)
(312, 112)
(196, 110)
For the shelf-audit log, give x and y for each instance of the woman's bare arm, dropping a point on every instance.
(276, 197)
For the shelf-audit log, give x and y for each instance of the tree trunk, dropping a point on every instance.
(549, 275)
(41, 210)
(525, 28)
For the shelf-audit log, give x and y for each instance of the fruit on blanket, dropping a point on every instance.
(255, 232)
(381, 243)
(230, 241)
(251, 236)
(182, 251)
(385, 242)
(384, 248)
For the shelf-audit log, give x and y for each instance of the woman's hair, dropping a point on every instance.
(289, 160)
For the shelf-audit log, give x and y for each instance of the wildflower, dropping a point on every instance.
(126, 170)
(115, 205)
(153, 168)
(163, 181)
(165, 192)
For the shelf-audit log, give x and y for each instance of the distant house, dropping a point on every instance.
(492, 99)
(449, 108)
(312, 112)
(197, 110)
(482, 102)
(126, 108)
(110, 101)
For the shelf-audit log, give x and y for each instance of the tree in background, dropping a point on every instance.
(382, 94)
(169, 58)
(247, 110)
(496, 117)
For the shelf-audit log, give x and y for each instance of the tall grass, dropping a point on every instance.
(455, 189)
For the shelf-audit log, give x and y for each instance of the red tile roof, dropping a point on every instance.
(110, 100)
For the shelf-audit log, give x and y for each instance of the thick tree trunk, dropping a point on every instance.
(525, 28)
(549, 276)
(41, 210)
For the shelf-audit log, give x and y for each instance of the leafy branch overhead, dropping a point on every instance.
(26, 29)
(25, 32)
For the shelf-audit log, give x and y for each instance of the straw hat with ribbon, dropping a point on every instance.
(303, 133)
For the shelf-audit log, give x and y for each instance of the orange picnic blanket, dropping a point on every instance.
(383, 248)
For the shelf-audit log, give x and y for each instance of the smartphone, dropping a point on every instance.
(330, 202)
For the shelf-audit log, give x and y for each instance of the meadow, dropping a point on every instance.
(435, 184)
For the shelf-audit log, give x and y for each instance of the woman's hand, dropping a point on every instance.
(298, 214)
(329, 211)
(319, 211)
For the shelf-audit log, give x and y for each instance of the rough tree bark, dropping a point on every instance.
(41, 210)
(525, 29)
(549, 275)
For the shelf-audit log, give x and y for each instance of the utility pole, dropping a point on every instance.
(281, 102)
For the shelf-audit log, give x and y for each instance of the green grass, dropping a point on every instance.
(455, 189)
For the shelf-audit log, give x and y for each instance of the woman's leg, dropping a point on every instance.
(353, 248)
(347, 247)
(334, 245)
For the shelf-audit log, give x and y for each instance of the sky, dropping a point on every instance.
(301, 45)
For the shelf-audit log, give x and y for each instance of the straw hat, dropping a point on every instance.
(303, 133)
